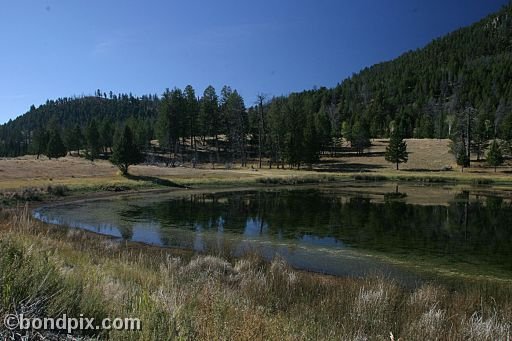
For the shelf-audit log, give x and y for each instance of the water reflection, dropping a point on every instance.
(318, 229)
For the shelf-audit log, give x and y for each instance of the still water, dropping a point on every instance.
(343, 229)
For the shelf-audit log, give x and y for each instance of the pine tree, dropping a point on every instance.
(192, 112)
(311, 143)
(235, 123)
(209, 118)
(360, 137)
(277, 128)
(93, 141)
(73, 139)
(171, 122)
(106, 132)
(494, 155)
(261, 98)
(55, 147)
(163, 124)
(40, 141)
(396, 151)
(465, 132)
(125, 151)
(458, 149)
(293, 132)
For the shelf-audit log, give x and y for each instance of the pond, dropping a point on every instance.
(341, 229)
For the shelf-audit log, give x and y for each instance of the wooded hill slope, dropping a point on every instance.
(417, 91)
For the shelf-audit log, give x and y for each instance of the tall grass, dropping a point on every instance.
(179, 295)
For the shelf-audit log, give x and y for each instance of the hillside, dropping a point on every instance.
(469, 67)
(17, 135)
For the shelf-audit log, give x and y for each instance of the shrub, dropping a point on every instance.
(57, 190)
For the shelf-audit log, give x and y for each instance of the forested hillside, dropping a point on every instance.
(19, 136)
(458, 86)
(419, 90)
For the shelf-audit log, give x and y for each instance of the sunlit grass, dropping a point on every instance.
(426, 160)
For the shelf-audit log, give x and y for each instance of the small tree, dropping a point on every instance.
(396, 151)
(55, 147)
(495, 155)
(125, 151)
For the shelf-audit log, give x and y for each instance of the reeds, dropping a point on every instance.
(177, 295)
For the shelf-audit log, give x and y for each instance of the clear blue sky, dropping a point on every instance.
(52, 48)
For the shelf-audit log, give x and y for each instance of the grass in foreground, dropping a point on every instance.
(49, 271)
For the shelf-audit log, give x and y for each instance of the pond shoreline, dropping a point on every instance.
(406, 263)
(226, 296)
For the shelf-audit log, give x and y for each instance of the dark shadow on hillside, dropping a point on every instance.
(154, 180)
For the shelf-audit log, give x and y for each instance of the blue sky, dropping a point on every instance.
(52, 49)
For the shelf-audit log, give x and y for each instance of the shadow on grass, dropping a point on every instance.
(426, 170)
(354, 153)
(345, 167)
(154, 180)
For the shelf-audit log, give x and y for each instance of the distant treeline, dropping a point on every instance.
(459, 87)
(72, 116)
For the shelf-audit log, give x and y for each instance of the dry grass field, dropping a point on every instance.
(29, 171)
(427, 158)
(425, 155)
